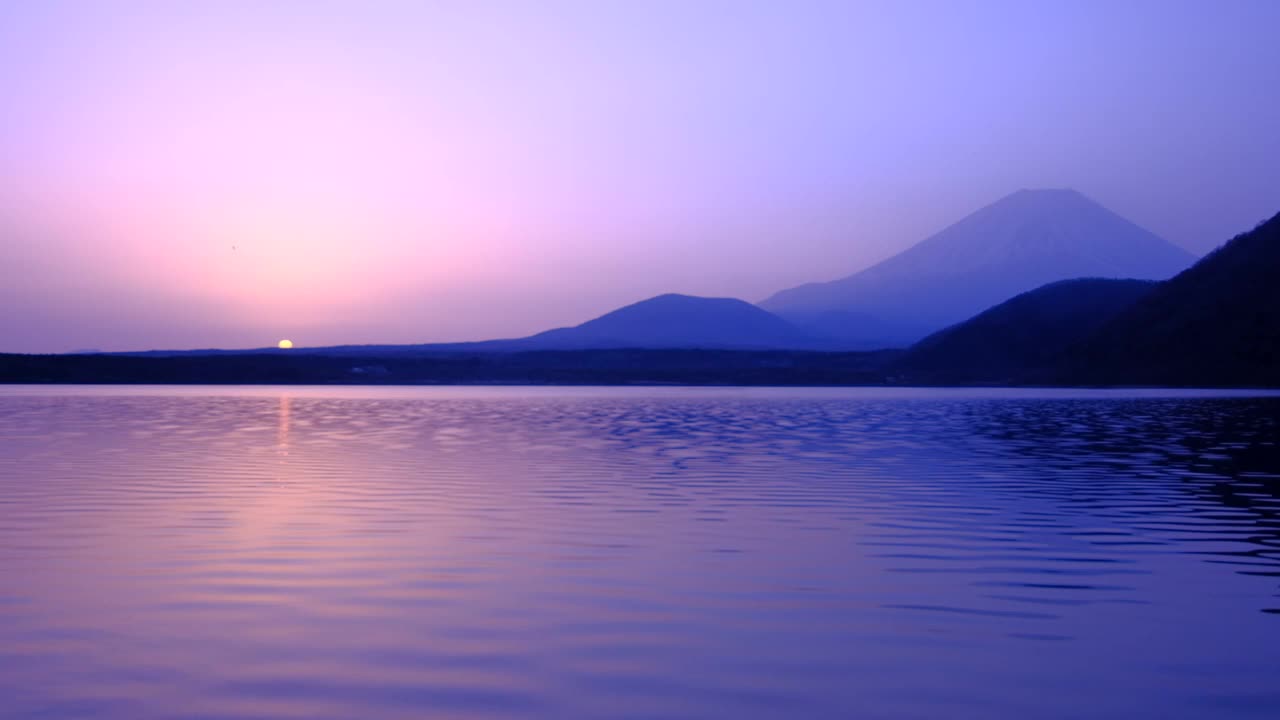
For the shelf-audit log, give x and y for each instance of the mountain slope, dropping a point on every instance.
(675, 321)
(1021, 335)
(1216, 324)
(1018, 243)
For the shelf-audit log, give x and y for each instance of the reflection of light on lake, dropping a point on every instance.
(282, 428)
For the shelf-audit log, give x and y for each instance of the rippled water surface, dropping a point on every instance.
(637, 553)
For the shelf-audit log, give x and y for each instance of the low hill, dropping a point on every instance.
(676, 321)
(1215, 324)
(1021, 335)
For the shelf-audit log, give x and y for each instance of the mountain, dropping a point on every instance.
(1016, 244)
(1216, 324)
(1021, 335)
(674, 321)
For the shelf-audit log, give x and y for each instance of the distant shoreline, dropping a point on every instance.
(570, 368)
(581, 368)
(567, 368)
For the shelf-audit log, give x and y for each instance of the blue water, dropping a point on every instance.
(638, 553)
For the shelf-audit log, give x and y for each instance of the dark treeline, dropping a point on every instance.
(584, 367)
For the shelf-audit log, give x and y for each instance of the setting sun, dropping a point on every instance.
(284, 344)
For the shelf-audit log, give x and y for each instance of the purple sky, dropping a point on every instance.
(423, 171)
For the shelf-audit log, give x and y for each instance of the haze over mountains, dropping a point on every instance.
(1018, 243)
(1215, 324)
(1014, 245)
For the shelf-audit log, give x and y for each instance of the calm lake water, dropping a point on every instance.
(374, 553)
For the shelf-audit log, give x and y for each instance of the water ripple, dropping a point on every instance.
(637, 553)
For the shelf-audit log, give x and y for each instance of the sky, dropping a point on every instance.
(225, 174)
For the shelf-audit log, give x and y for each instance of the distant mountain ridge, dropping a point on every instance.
(1021, 242)
(1215, 323)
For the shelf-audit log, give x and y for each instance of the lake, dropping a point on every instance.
(504, 552)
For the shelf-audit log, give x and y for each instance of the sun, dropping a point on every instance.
(284, 344)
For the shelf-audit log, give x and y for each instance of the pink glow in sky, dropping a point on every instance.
(187, 174)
